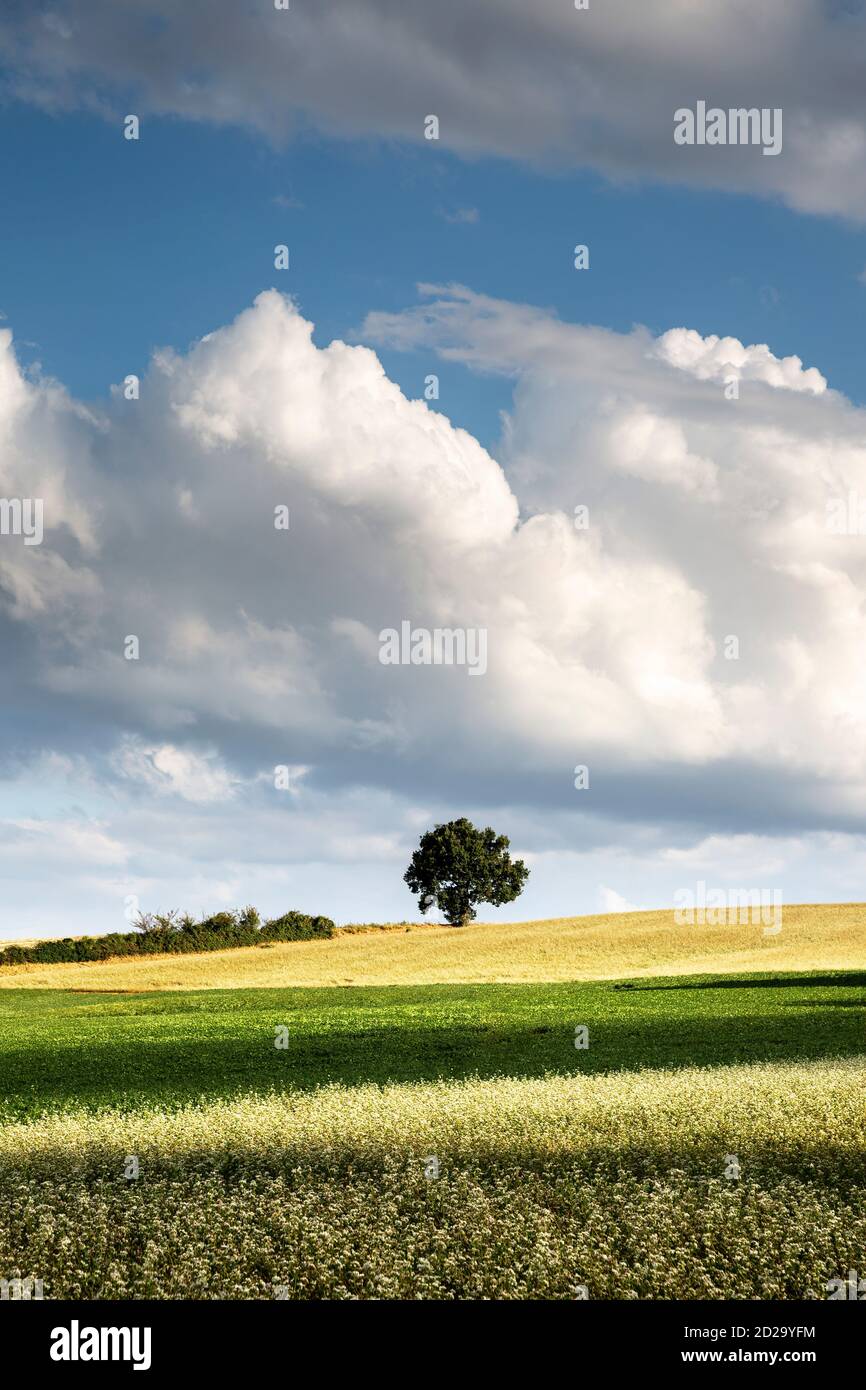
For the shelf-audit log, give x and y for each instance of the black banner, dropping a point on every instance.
(151, 1338)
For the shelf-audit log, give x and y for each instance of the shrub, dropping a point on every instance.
(297, 926)
(220, 922)
(160, 933)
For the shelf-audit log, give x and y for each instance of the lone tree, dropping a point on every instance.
(457, 865)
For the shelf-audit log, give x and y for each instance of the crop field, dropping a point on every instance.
(705, 1136)
(61, 1051)
(615, 1182)
(633, 944)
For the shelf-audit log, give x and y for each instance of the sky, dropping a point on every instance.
(644, 480)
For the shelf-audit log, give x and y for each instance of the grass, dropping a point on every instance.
(61, 1050)
(636, 944)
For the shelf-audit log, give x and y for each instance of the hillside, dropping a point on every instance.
(813, 937)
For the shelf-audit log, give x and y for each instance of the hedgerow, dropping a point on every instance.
(173, 933)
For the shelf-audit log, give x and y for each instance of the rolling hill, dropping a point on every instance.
(622, 945)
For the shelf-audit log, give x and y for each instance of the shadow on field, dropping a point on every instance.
(847, 978)
(58, 1051)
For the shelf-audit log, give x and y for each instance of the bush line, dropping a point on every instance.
(168, 933)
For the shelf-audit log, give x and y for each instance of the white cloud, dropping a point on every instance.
(708, 519)
(719, 359)
(25, 844)
(175, 771)
(249, 635)
(653, 448)
(611, 901)
(259, 647)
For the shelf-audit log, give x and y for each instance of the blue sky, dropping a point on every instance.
(116, 247)
(153, 779)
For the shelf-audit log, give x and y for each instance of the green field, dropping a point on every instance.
(62, 1050)
(306, 1170)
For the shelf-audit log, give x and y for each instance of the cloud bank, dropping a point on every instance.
(655, 554)
(542, 83)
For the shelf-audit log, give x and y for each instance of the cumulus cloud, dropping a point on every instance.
(720, 504)
(543, 82)
(724, 359)
(258, 646)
